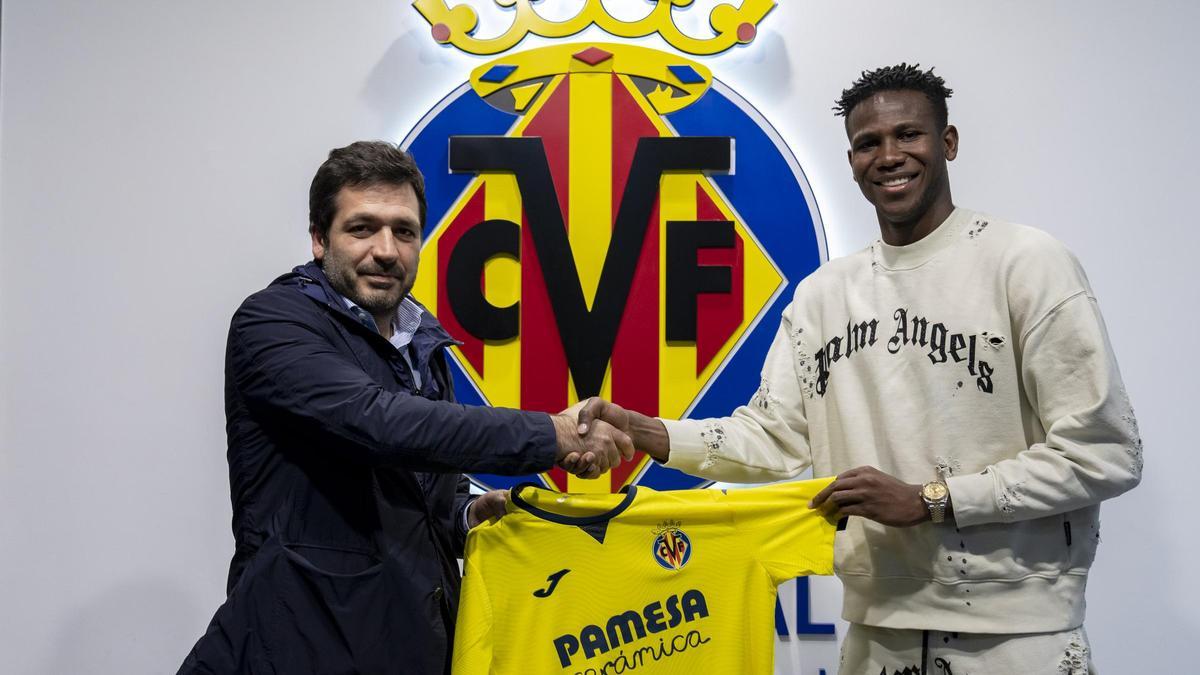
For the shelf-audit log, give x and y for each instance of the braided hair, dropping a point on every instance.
(902, 77)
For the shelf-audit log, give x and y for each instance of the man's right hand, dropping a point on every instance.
(593, 454)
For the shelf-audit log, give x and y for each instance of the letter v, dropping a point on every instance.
(588, 336)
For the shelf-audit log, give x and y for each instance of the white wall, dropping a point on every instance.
(154, 161)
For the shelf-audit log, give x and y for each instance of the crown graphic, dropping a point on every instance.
(730, 25)
(666, 526)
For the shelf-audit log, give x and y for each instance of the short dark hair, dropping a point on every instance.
(360, 164)
(897, 78)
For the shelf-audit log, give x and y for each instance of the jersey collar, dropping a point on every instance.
(518, 500)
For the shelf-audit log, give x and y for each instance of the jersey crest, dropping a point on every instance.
(672, 548)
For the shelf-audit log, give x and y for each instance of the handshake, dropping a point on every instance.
(595, 435)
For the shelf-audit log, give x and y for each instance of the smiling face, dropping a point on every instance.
(898, 155)
(374, 243)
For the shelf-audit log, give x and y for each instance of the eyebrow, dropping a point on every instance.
(871, 133)
(862, 136)
(359, 219)
(356, 218)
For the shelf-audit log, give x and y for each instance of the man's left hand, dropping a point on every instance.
(868, 492)
(489, 505)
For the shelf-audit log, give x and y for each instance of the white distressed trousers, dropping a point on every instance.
(869, 650)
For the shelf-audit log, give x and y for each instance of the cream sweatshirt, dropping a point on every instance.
(978, 351)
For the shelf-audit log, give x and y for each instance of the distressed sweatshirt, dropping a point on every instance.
(979, 353)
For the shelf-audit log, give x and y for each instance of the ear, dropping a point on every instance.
(950, 142)
(850, 161)
(319, 243)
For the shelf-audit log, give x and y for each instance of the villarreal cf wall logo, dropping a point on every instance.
(608, 219)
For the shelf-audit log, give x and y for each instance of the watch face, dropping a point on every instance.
(934, 491)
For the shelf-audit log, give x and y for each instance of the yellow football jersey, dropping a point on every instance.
(644, 582)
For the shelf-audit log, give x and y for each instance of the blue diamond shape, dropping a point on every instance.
(686, 74)
(497, 74)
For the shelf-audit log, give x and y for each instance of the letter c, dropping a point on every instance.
(464, 275)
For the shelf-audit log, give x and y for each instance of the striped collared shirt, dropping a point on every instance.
(405, 323)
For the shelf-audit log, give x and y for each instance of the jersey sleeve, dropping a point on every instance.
(473, 632)
(788, 538)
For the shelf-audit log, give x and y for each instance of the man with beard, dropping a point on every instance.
(345, 447)
(957, 378)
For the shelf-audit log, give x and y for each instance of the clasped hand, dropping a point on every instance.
(593, 452)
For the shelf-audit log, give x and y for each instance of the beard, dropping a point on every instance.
(344, 278)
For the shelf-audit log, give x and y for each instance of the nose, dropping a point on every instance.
(383, 247)
(889, 154)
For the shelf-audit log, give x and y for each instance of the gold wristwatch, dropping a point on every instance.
(936, 495)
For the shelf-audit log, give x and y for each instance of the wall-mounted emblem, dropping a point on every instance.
(608, 219)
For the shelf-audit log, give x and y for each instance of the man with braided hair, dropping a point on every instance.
(956, 377)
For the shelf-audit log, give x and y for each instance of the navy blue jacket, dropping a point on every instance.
(347, 497)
